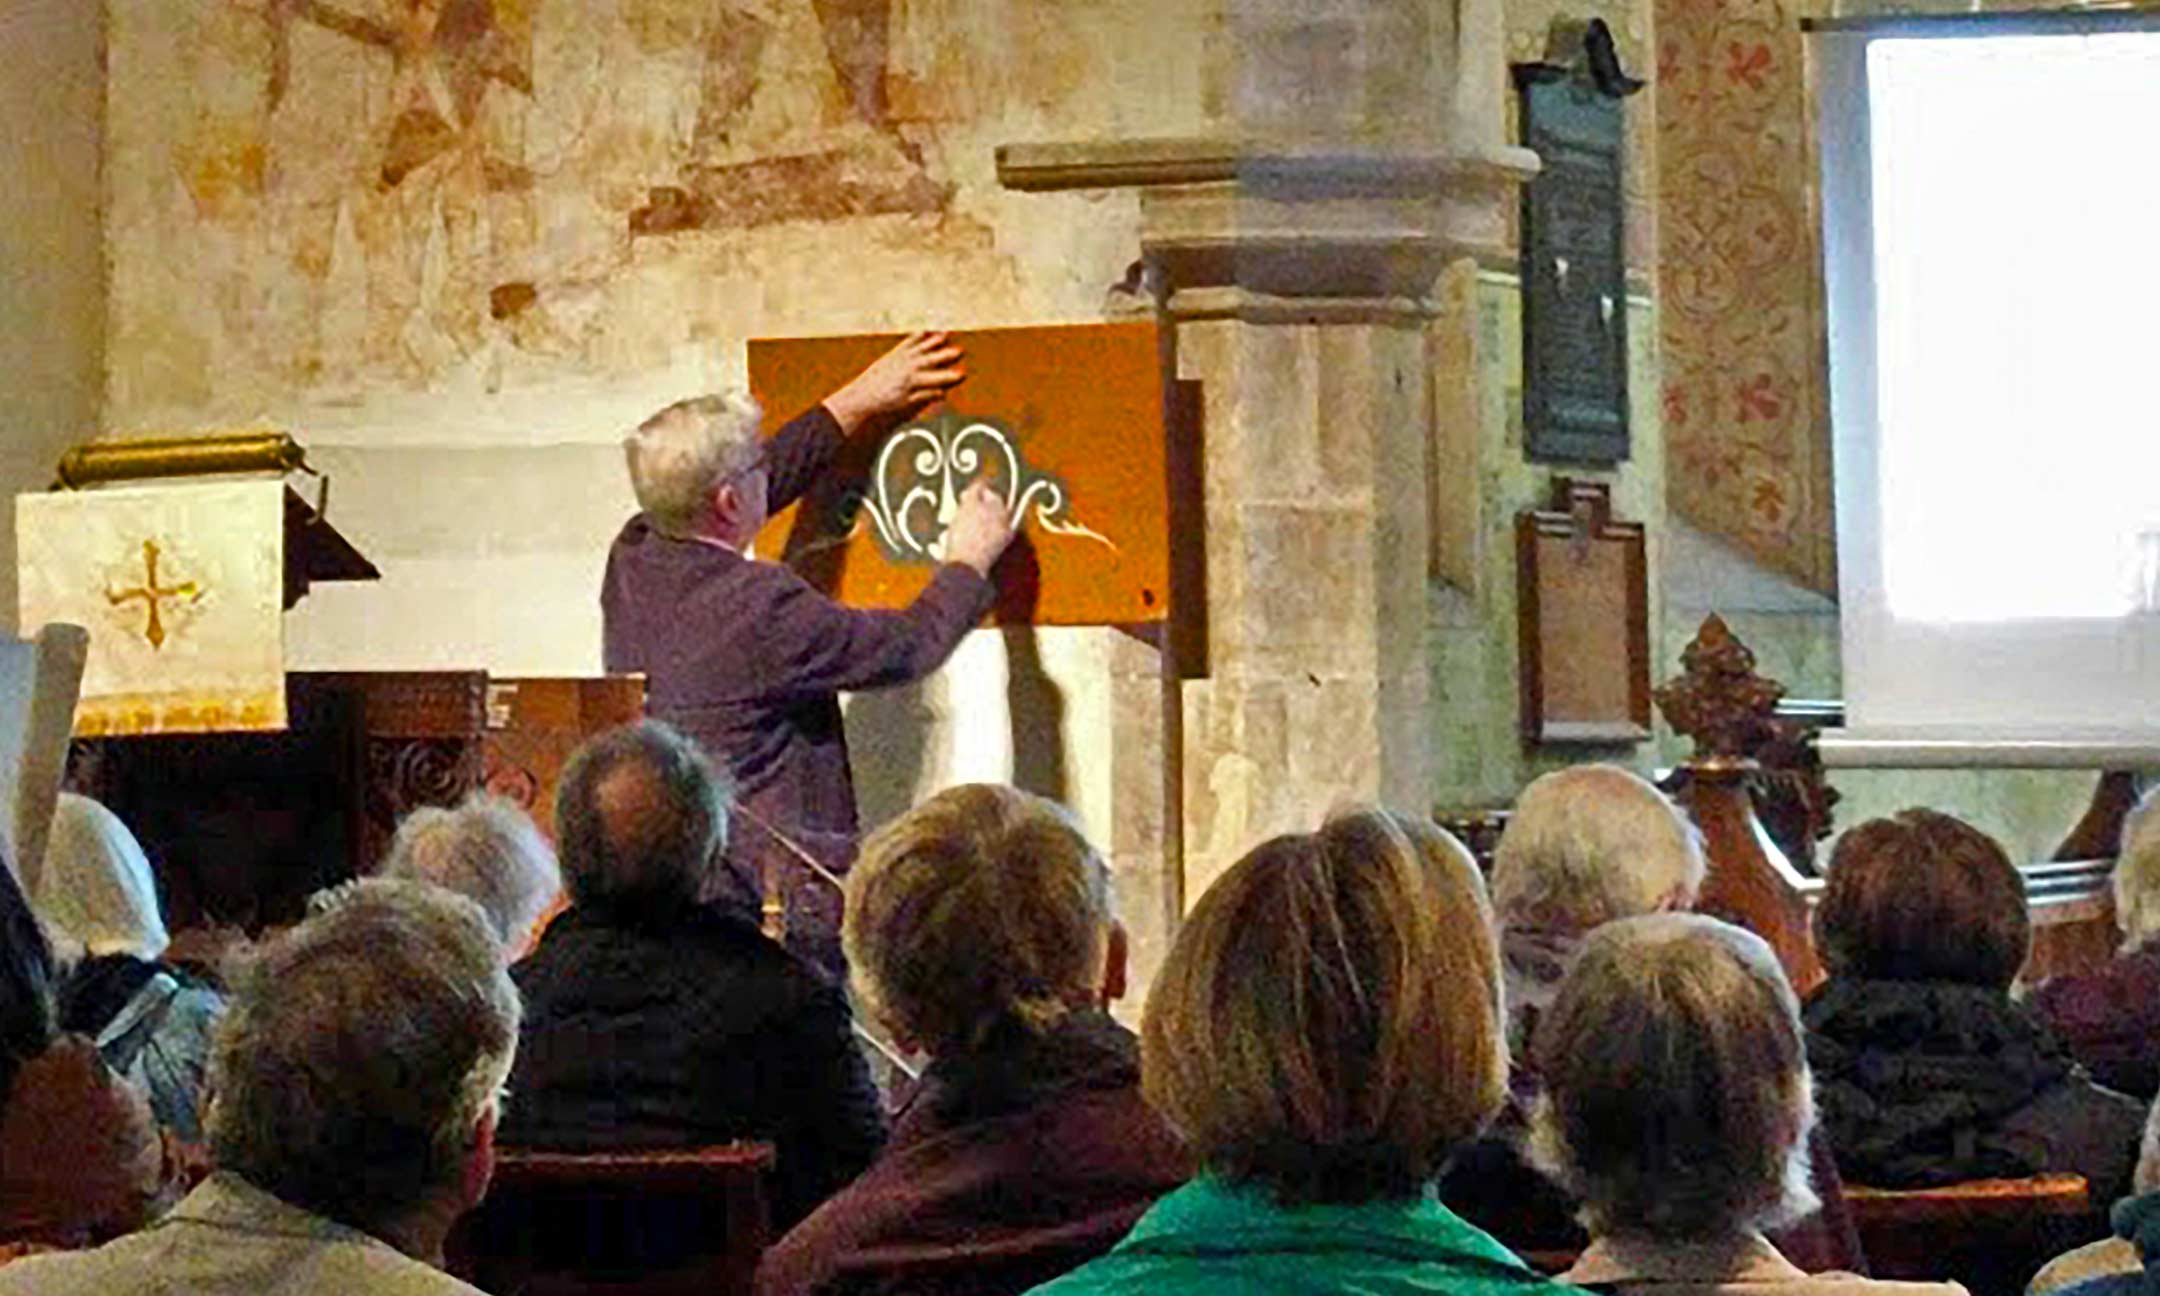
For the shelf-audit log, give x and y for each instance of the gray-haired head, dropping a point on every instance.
(641, 819)
(487, 850)
(1676, 1099)
(681, 454)
(2137, 873)
(1591, 844)
(361, 1051)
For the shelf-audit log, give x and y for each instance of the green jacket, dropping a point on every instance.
(1210, 1238)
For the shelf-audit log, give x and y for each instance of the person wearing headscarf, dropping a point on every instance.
(151, 1021)
(80, 1158)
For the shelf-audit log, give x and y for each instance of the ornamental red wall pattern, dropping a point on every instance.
(1745, 396)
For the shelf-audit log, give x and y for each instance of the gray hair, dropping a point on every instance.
(679, 455)
(360, 1051)
(661, 841)
(1677, 1099)
(2137, 873)
(1591, 844)
(487, 850)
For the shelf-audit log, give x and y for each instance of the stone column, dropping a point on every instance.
(1294, 261)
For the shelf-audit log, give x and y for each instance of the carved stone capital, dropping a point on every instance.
(1256, 229)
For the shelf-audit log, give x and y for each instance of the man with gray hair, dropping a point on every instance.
(355, 1082)
(487, 850)
(657, 1019)
(747, 658)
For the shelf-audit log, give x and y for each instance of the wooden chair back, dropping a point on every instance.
(622, 1223)
(1990, 1234)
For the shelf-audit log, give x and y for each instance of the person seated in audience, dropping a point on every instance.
(151, 1020)
(1926, 1071)
(2110, 1017)
(1586, 846)
(80, 1157)
(1326, 1029)
(653, 1019)
(2116, 1266)
(354, 1082)
(1676, 1108)
(488, 851)
(978, 928)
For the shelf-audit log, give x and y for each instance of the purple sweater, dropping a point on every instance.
(746, 658)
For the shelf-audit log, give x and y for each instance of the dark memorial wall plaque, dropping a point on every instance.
(1574, 263)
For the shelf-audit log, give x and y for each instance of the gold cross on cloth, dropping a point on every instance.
(153, 596)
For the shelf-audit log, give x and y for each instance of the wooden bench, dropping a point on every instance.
(1990, 1234)
(623, 1223)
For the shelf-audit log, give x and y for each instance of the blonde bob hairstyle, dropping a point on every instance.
(1676, 1101)
(1591, 844)
(681, 454)
(980, 908)
(1327, 1026)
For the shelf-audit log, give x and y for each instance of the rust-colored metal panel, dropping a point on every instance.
(1068, 423)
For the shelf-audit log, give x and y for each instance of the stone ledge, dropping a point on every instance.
(1339, 169)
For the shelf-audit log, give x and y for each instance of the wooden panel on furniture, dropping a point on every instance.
(1721, 703)
(533, 725)
(627, 1223)
(1067, 421)
(1990, 1234)
(1583, 613)
(2073, 917)
(242, 827)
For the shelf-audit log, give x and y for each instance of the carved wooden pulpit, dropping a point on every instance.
(251, 787)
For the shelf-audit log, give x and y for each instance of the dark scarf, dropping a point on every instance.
(1914, 1079)
(1016, 1069)
(98, 988)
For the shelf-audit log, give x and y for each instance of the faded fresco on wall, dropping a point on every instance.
(315, 200)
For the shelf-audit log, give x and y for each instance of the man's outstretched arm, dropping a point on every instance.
(922, 368)
(822, 647)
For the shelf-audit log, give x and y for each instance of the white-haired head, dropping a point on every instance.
(96, 891)
(487, 850)
(1592, 844)
(2137, 874)
(680, 455)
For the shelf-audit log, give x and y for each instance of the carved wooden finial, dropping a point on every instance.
(1719, 700)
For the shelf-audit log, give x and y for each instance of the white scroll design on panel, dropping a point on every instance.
(914, 489)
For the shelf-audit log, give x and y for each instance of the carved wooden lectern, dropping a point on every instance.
(251, 790)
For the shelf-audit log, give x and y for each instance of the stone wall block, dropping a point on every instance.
(1238, 740)
(1308, 602)
(1336, 757)
(1350, 405)
(1269, 450)
(1136, 766)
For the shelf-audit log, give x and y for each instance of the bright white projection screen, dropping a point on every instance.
(1991, 205)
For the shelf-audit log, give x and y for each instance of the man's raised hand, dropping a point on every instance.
(920, 369)
(980, 530)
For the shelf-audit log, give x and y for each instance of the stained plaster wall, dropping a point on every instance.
(52, 284)
(1478, 752)
(459, 260)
